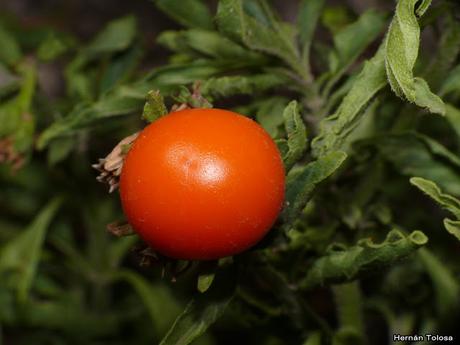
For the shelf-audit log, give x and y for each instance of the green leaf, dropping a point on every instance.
(309, 13)
(417, 155)
(351, 41)
(208, 44)
(422, 7)
(446, 286)
(342, 265)
(296, 135)
(314, 337)
(53, 47)
(446, 201)
(302, 182)
(15, 115)
(202, 311)
(155, 107)
(205, 281)
(222, 87)
(335, 129)
(117, 36)
(264, 34)
(401, 51)
(453, 227)
(452, 82)
(270, 115)
(161, 305)
(119, 68)
(446, 53)
(8, 81)
(190, 13)
(430, 188)
(126, 99)
(426, 99)
(20, 257)
(60, 149)
(10, 53)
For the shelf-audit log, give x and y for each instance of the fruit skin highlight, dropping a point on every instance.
(202, 184)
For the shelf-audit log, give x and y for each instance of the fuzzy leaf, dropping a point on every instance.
(190, 13)
(351, 41)
(426, 99)
(343, 265)
(155, 107)
(446, 201)
(209, 44)
(302, 182)
(270, 115)
(259, 32)
(335, 129)
(401, 51)
(296, 135)
(221, 87)
(430, 188)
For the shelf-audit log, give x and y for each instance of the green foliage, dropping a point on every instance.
(401, 51)
(444, 200)
(349, 98)
(343, 264)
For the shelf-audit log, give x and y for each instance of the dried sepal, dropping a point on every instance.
(9, 155)
(110, 166)
(120, 229)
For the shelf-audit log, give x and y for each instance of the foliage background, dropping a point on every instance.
(359, 252)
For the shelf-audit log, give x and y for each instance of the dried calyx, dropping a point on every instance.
(110, 166)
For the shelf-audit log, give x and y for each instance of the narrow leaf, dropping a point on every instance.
(351, 41)
(202, 311)
(302, 182)
(118, 35)
(401, 51)
(209, 44)
(417, 155)
(446, 286)
(221, 87)
(335, 129)
(261, 34)
(296, 133)
(430, 188)
(20, 257)
(191, 13)
(309, 13)
(157, 299)
(426, 99)
(446, 201)
(343, 265)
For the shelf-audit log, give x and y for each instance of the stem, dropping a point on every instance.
(349, 306)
